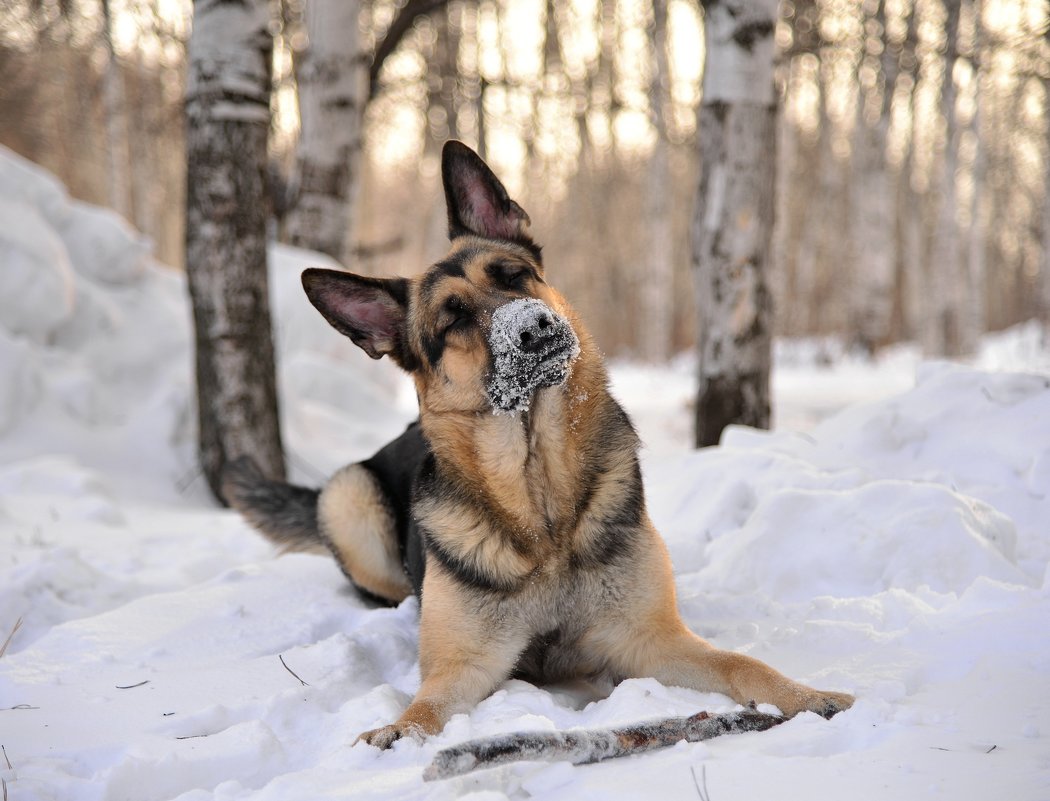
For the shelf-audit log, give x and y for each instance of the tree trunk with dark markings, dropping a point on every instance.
(333, 91)
(733, 219)
(228, 121)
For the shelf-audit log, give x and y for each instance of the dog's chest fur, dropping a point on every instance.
(526, 462)
(516, 497)
(536, 516)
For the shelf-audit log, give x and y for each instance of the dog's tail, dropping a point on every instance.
(284, 513)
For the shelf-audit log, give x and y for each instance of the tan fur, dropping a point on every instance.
(359, 530)
(589, 529)
(470, 532)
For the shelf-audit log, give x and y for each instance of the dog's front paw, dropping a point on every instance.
(805, 699)
(826, 704)
(386, 736)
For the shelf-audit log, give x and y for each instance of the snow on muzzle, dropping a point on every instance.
(532, 347)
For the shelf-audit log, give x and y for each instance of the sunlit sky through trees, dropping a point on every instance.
(568, 100)
(542, 96)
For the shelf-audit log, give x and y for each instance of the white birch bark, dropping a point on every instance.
(333, 93)
(733, 218)
(657, 286)
(228, 121)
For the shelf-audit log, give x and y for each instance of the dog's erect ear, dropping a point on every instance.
(477, 201)
(371, 311)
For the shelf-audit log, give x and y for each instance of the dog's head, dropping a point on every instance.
(480, 329)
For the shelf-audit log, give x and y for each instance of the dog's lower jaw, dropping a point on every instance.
(507, 396)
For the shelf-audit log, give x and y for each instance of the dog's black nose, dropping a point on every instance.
(533, 330)
(532, 348)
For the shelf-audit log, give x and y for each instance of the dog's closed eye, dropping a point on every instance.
(516, 280)
(458, 314)
(510, 276)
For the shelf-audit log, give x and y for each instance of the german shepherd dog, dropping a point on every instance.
(514, 507)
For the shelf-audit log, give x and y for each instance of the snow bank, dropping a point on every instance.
(335, 399)
(94, 336)
(985, 435)
(96, 399)
(898, 550)
(886, 534)
(96, 349)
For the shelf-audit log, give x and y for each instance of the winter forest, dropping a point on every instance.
(911, 145)
(810, 238)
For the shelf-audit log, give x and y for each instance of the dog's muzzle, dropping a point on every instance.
(532, 347)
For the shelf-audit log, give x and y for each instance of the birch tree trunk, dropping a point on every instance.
(909, 261)
(872, 198)
(657, 289)
(118, 147)
(228, 121)
(1044, 266)
(976, 267)
(733, 218)
(333, 93)
(948, 272)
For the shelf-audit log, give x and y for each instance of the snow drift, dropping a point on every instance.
(898, 550)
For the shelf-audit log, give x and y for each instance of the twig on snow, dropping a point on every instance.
(582, 746)
(704, 794)
(3, 780)
(132, 686)
(938, 748)
(11, 636)
(281, 657)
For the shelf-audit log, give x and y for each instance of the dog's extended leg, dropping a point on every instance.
(653, 641)
(463, 657)
(686, 660)
(451, 687)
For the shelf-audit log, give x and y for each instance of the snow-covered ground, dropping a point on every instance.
(891, 538)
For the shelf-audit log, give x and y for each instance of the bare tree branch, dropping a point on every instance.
(585, 746)
(402, 24)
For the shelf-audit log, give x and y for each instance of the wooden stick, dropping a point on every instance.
(582, 746)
